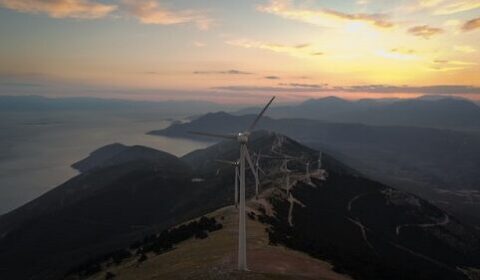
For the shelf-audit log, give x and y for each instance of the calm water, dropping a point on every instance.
(36, 150)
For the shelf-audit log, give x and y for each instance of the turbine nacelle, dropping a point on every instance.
(242, 137)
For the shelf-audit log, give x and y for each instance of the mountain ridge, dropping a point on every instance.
(445, 112)
(117, 204)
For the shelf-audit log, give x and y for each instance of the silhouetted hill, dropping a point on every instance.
(424, 161)
(95, 211)
(112, 204)
(446, 112)
(425, 112)
(116, 154)
(99, 156)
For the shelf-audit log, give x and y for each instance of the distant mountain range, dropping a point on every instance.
(167, 108)
(420, 160)
(364, 228)
(427, 111)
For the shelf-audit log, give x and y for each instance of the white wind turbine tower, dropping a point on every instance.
(319, 161)
(284, 169)
(257, 168)
(307, 172)
(242, 138)
(287, 171)
(236, 164)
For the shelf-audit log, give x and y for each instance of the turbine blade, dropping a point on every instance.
(261, 170)
(252, 167)
(257, 164)
(252, 126)
(225, 136)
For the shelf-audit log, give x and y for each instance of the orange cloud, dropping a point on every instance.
(301, 50)
(471, 24)
(448, 7)
(464, 48)
(150, 12)
(442, 65)
(425, 31)
(83, 9)
(321, 17)
(452, 7)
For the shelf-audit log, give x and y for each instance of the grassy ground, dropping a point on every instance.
(215, 258)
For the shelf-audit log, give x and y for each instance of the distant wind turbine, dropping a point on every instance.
(307, 172)
(242, 138)
(236, 165)
(284, 168)
(319, 161)
(257, 168)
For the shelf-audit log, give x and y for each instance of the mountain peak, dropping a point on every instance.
(117, 153)
(328, 100)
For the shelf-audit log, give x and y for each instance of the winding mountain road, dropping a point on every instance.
(445, 221)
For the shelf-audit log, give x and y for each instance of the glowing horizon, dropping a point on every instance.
(240, 51)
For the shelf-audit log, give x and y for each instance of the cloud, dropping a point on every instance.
(385, 89)
(443, 65)
(398, 53)
(150, 12)
(199, 44)
(471, 24)
(448, 7)
(264, 89)
(464, 48)
(150, 73)
(81, 9)
(435, 89)
(403, 51)
(227, 72)
(425, 31)
(309, 86)
(300, 50)
(272, 77)
(457, 6)
(362, 2)
(321, 17)
(282, 87)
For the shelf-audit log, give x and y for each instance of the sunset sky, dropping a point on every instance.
(240, 51)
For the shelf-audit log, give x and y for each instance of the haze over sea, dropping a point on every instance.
(37, 149)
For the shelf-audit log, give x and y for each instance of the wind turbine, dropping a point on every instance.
(235, 164)
(284, 168)
(319, 161)
(307, 172)
(257, 168)
(242, 138)
(287, 171)
(257, 163)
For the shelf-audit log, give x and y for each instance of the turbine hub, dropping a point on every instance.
(242, 137)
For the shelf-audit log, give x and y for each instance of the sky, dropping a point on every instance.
(232, 51)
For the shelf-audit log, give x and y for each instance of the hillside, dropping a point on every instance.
(215, 258)
(96, 211)
(424, 161)
(367, 229)
(362, 227)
